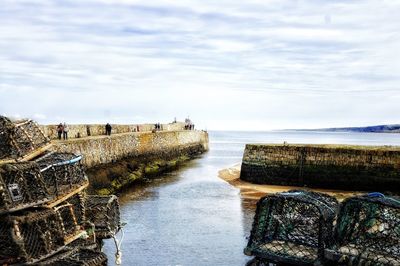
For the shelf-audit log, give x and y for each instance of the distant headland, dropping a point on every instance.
(394, 128)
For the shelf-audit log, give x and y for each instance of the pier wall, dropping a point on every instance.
(117, 161)
(82, 130)
(372, 168)
(108, 149)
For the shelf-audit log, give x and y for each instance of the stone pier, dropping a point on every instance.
(116, 161)
(372, 168)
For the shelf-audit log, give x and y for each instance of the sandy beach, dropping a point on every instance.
(255, 191)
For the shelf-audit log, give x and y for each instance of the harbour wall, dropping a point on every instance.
(371, 168)
(116, 161)
(86, 130)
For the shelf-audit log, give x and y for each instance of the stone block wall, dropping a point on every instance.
(83, 130)
(346, 167)
(108, 149)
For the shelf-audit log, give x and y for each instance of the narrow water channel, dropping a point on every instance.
(192, 217)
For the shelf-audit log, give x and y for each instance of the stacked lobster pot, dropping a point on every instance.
(45, 215)
(307, 228)
(21, 140)
(292, 228)
(367, 232)
(103, 212)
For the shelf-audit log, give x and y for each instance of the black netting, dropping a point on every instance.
(21, 186)
(292, 227)
(103, 212)
(67, 216)
(84, 257)
(48, 178)
(33, 235)
(30, 236)
(78, 204)
(367, 232)
(6, 135)
(62, 172)
(20, 138)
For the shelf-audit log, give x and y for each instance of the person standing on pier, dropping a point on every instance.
(65, 131)
(108, 129)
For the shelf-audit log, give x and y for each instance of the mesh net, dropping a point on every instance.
(103, 212)
(6, 136)
(33, 235)
(17, 139)
(78, 204)
(21, 186)
(292, 227)
(29, 184)
(86, 257)
(367, 232)
(62, 172)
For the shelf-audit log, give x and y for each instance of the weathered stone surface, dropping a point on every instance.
(325, 166)
(107, 149)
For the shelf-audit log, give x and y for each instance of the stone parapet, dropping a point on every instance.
(324, 166)
(83, 130)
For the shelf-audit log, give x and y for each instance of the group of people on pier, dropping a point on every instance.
(188, 124)
(157, 127)
(62, 131)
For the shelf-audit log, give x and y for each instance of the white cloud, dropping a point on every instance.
(270, 64)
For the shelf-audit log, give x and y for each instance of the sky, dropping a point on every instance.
(227, 64)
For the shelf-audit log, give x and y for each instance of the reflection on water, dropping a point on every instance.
(191, 217)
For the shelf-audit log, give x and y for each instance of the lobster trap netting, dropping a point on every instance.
(30, 237)
(77, 202)
(19, 138)
(21, 186)
(78, 257)
(292, 227)
(71, 214)
(49, 178)
(367, 232)
(103, 212)
(62, 172)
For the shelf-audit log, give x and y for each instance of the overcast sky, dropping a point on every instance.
(227, 64)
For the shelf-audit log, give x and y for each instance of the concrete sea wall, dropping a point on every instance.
(82, 130)
(373, 168)
(116, 161)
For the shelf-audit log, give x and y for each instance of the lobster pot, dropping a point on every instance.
(86, 257)
(21, 186)
(70, 217)
(77, 202)
(20, 138)
(367, 232)
(62, 172)
(292, 227)
(35, 235)
(103, 212)
(30, 237)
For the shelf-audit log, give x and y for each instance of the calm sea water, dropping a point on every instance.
(191, 217)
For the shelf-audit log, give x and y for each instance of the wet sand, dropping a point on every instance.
(254, 191)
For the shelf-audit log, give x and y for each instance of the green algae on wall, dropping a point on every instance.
(111, 178)
(346, 167)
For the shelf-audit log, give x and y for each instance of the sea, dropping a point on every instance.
(192, 217)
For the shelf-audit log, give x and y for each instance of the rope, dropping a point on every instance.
(118, 244)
